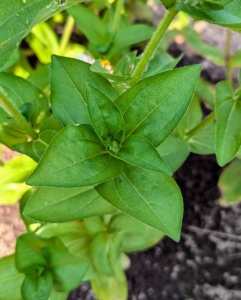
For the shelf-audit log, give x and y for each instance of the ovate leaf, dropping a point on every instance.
(75, 158)
(68, 89)
(10, 279)
(62, 205)
(17, 18)
(150, 197)
(138, 151)
(154, 106)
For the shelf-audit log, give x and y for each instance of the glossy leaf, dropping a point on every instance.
(230, 184)
(69, 77)
(10, 279)
(21, 17)
(228, 123)
(104, 114)
(21, 93)
(174, 152)
(100, 253)
(37, 288)
(139, 152)
(149, 197)
(154, 106)
(63, 205)
(75, 158)
(229, 17)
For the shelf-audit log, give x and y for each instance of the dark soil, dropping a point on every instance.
(206, 263)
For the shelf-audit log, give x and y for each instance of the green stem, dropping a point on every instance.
(151, 47)
(205, 122)
(4, 101)
(228, 55)
(66, 35)
(117, 18)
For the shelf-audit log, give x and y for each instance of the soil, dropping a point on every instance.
(206, 263)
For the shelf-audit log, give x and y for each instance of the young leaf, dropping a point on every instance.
(21, 17)
(150, 197)
(230, 184)
(37, 288)
(174, 152)
(10, 279)
(139, 152)
(68, 89)
(104, 114)
(154, 106)
(100, 253)
(228, 123)
(63, 205)
(168, 3)
(75, 158)
(67, 269)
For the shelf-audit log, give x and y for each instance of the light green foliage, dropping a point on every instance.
(21, 17)
(230, 185)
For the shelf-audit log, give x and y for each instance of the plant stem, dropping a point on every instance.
(17, 116)
(68, 28)
(151, 47)
(228, 55)
(117, 18)
(205, 122)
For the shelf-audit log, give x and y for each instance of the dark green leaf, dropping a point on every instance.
(22, 204)
(173, 151)
(75, 158)
(154, 106)
(68, 89)
(150, 197)
(37, 288)
(10, 279)
(62, 205)
(228, 123)
(138, 151)
(104, 114)
(18, 18)
(230, 184)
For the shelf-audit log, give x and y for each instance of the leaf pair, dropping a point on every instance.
(46, 264)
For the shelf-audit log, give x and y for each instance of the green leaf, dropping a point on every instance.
(94, 225)
(20, 93)
(37, 288)
(228, 123)
(131, 35)
(67, 269)
(68, 89)
(22, 204)
(229, 17)
(21, 17)
(11, 135)
(40, 77)
(28, 254)
(192, 117)
(36, 148)
(11, 61)
(173, 151)
(230, 184)
(139, 152)
(63, 205)
(203, 141)
(104, 114)
(75, 158)
(90, 24)
(235, 60)
(206, 93)
(154, 106)
(100, 253)
(111, 287)
(10, 279)
(150, 197)
(168, 3)
(135, 235)
(58, 296)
